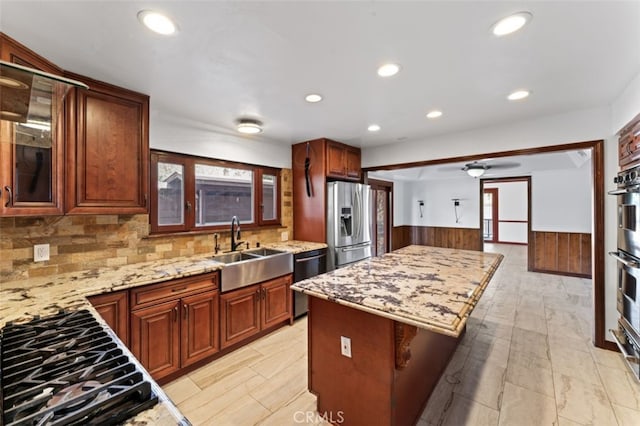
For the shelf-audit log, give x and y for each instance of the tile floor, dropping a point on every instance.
(526, 359)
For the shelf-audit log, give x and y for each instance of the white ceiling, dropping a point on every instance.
(513, 166)
(259, 59)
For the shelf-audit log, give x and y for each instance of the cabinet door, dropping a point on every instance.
(108, 158)
(114, 309)
(200, 325)
(276, 301)
(354, 170)
(239, 315)
(155, 338)
(336, 166)
(31, 135)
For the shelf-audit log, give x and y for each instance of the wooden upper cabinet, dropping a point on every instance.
(629, 144)
(31, 148)
(107, 150)
(343, 161)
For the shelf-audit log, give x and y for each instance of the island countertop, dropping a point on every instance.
(429, 287)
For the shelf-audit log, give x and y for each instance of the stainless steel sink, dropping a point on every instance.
(250, 267)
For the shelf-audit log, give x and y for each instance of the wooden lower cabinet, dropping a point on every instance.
(247, 311)
(114, 309)
(175, 323)
(199, 327)
(155, 338)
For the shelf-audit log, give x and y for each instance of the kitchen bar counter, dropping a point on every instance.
(382, 331)
(22, 300)
(428, 287)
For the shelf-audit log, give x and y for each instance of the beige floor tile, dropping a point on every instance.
(216, 400)
(482, 382)
(439, 401)
(621, 387)
(182, 389)
(491, 349)
(607, 358)
(575, 363)
(273, 364)
(282, 340)
(225, 366)
(531, 372)
(496, 329)
(532, 322)
(582, 402)
(300, 411)
(283, 387)
(530, 341)
(524, 407)
(563, 421)
(464, 411)
(626, 416)
(241, 412)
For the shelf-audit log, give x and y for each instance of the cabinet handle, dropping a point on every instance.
(10, 200)
(176, 290)
(175, 314)
(186, 311)
(264, 293)
(187, 205)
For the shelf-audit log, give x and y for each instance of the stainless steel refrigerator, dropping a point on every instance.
(348, 223)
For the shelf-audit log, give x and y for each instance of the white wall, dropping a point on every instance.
(189, 137)
(561, 200)
(512, 205)
(438, 205)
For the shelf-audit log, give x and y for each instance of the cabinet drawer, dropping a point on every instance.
(174, 289)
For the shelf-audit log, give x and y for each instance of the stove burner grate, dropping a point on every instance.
(67, 370)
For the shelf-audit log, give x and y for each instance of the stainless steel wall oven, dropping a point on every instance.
(627, 336)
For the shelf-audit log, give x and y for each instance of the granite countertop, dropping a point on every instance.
(295, 246)
(22, 300)
(429, 287)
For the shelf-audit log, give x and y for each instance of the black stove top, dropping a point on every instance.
(66, 370)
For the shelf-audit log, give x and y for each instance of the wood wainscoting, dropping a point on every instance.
(565, 253)
(459, 238)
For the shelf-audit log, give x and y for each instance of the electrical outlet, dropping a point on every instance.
(345, 346)
(284, 236)
(40, 252)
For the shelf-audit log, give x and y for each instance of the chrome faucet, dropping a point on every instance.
(235, 233)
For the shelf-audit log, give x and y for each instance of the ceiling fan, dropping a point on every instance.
(478, 168)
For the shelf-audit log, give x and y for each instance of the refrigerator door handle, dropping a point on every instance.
(356, 247)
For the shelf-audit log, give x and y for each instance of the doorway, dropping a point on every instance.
(490, 215)
(382, 216)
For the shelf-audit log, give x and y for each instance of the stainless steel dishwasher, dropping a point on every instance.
(307, 265)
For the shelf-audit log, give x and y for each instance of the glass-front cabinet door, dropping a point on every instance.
(31, 135)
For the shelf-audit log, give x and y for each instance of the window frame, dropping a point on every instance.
(189, 165)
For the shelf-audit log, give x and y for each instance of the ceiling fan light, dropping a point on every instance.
(249, 127)
(475, 171)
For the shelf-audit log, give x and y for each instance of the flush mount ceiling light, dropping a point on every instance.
(157, 22)
(518, 94)
(434, 114)
(313, 98)
(249, 127)
(475, 170)
(388, 70)
(511, 23)
(373, 128)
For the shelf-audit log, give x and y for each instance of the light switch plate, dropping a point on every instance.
(41, 252)
(345, 346)
(284, 236)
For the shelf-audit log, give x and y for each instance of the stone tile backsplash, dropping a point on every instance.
(88, 241)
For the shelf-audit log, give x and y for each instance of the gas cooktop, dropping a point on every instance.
(66, 369)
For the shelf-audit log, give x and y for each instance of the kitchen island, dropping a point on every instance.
(382, 331)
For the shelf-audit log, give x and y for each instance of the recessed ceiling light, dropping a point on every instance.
(434, 114)
(511, 23)
(249, 127)
(388, 70)
(518, 94)
(157, 22)
(313, 98)
(373, 128)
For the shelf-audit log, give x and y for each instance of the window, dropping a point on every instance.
(194, 193)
